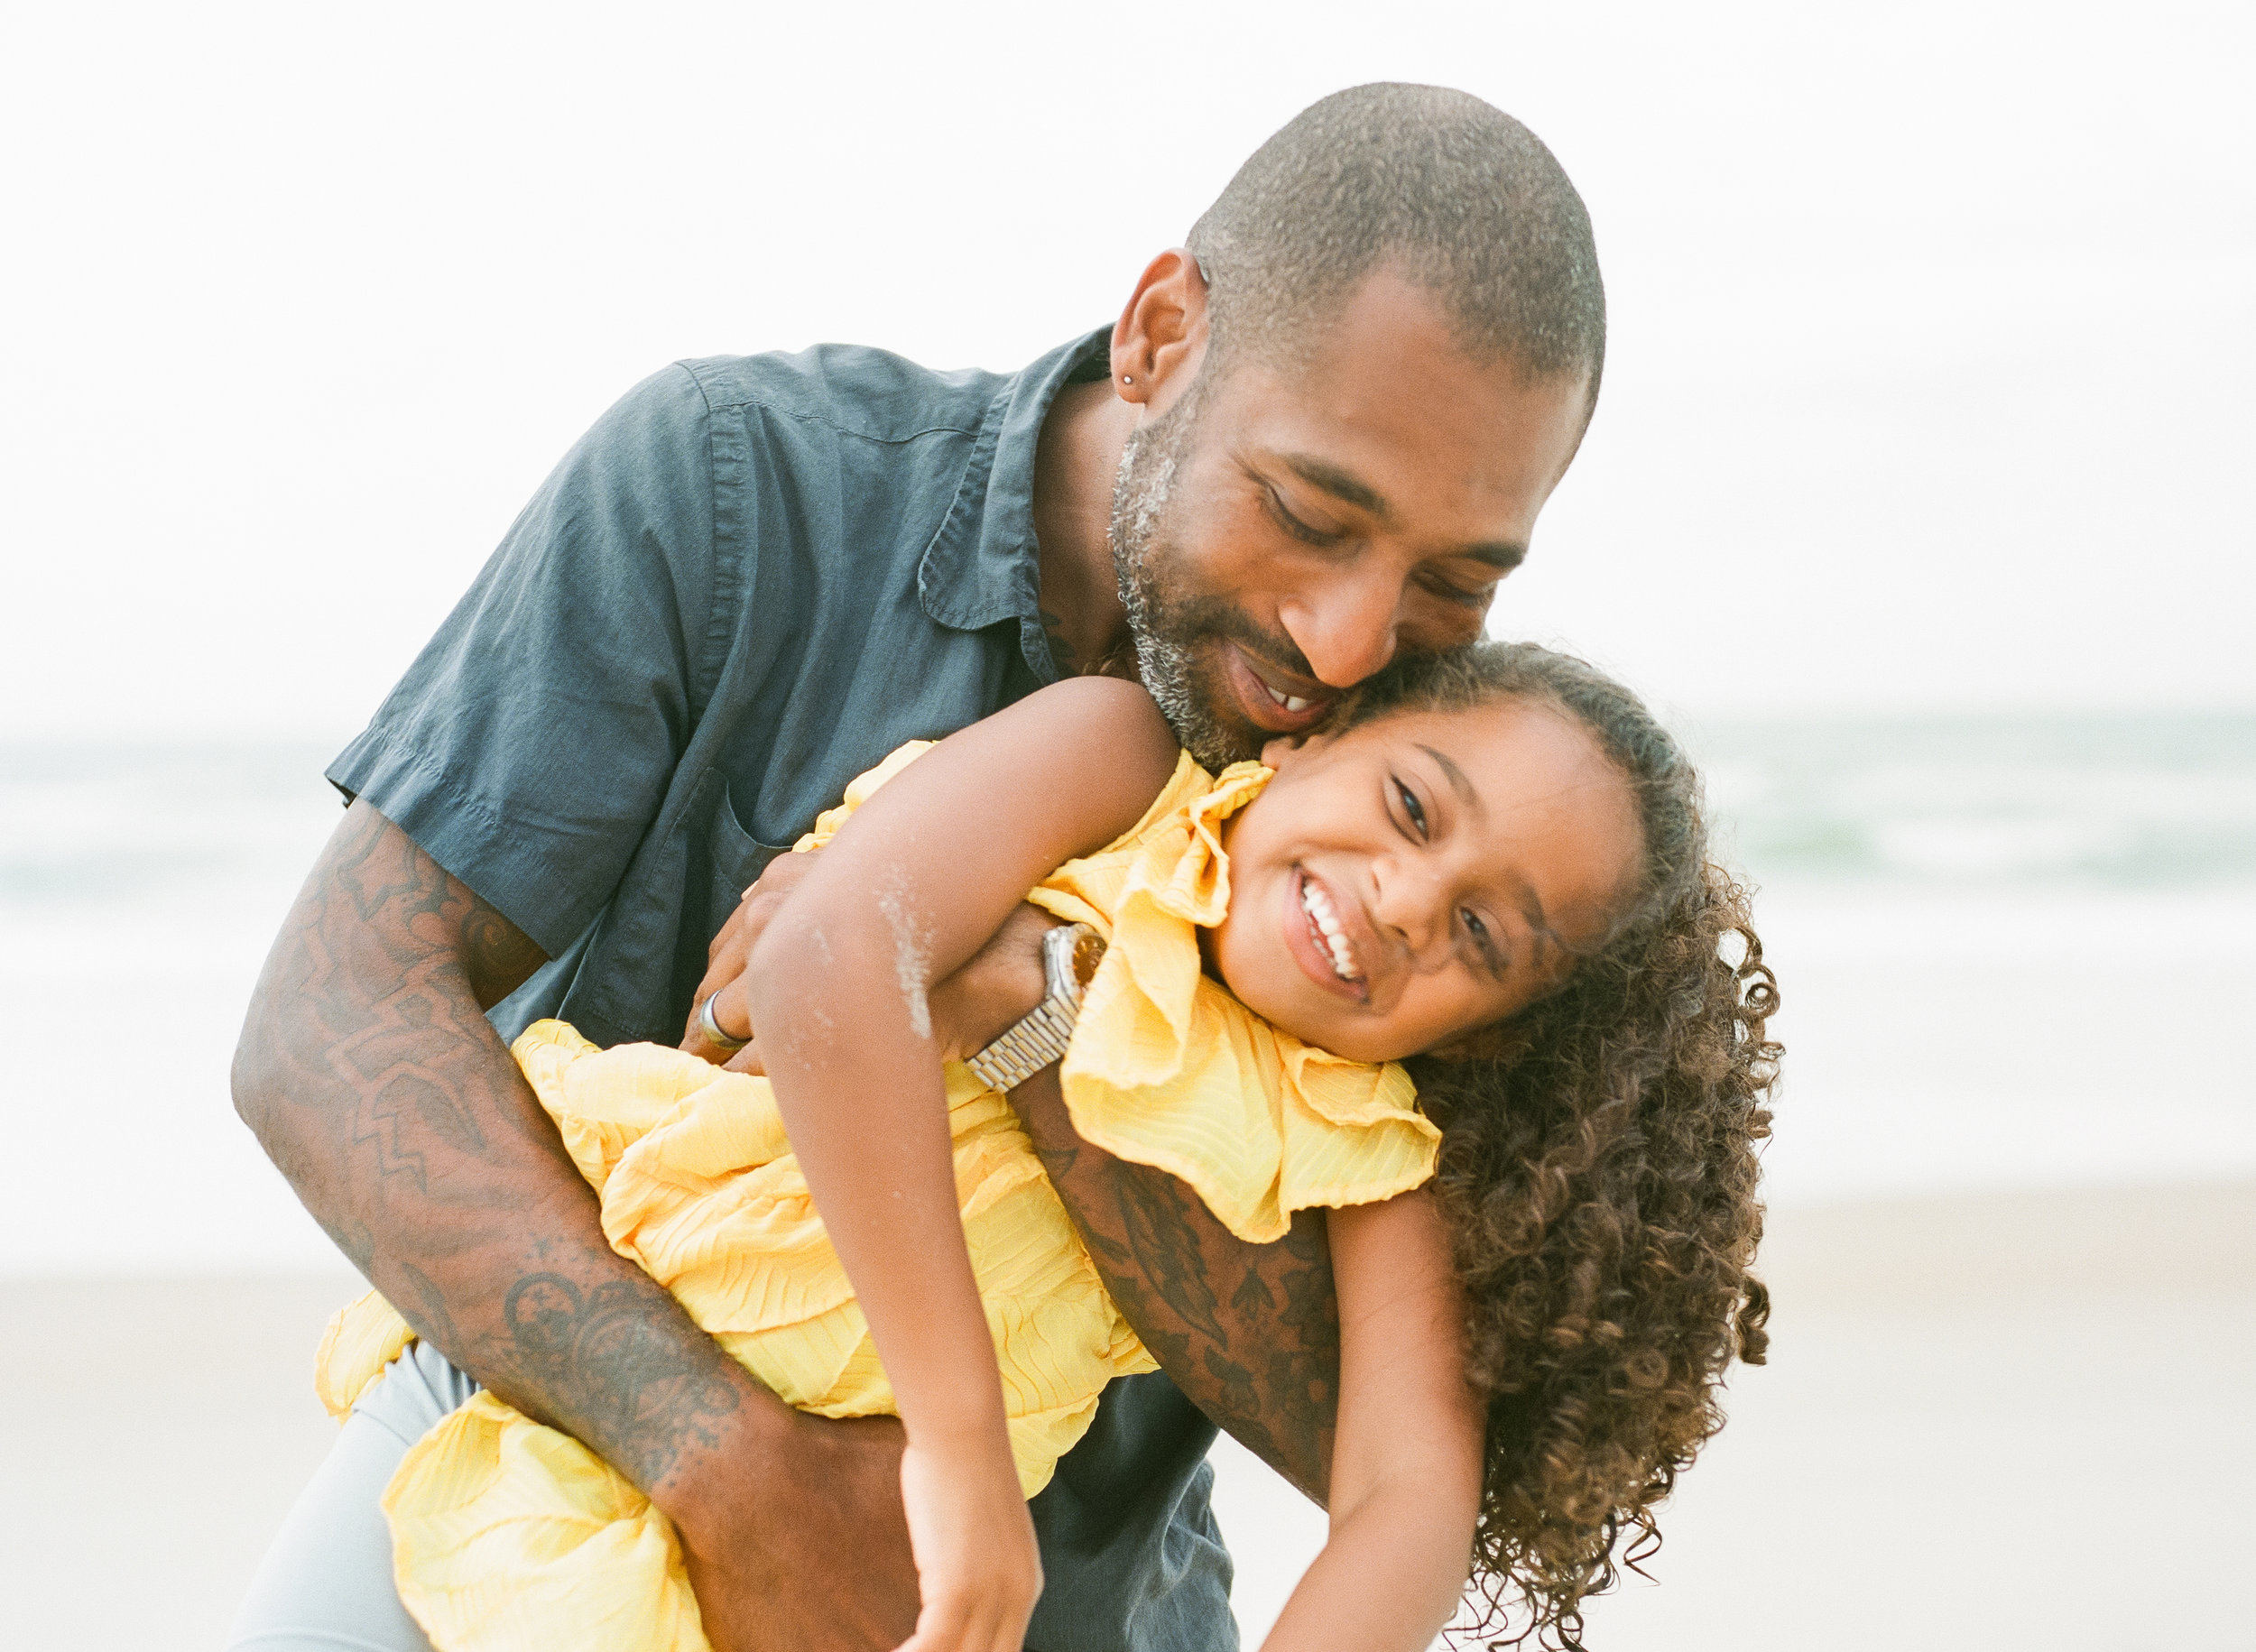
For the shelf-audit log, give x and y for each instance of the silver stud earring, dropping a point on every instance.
(1126, 380)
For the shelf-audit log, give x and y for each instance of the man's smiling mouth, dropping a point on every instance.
(1290, 702)
(1277, 711)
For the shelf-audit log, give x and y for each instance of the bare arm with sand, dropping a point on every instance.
(923, 875)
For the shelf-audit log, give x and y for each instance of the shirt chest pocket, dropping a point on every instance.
(651, 946)
(738, 858)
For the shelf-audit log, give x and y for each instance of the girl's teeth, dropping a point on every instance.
(1320, 914)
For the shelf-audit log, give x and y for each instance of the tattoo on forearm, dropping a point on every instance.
(602, 1354)
(428, 1308)
(388, 1099)
(1250, 1333)
(1155, 1213)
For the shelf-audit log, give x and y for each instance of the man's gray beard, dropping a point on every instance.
(1166, 635)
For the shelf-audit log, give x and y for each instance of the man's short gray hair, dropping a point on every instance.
(1454, 193)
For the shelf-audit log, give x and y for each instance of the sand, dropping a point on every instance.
(2000, 1421)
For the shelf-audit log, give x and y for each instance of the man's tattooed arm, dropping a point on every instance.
(371, 1075)
(1250, 1333)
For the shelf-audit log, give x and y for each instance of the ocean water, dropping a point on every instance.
(2137, 805)
(2013, 952)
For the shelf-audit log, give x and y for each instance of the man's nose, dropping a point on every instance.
(1344, 627)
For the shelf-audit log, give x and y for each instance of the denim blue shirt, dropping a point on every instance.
(754, 577)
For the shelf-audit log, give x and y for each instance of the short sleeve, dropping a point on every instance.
(529, 747)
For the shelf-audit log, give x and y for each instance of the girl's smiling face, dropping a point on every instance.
(1424, 875)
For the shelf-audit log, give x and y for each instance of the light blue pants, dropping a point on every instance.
(326, 1584)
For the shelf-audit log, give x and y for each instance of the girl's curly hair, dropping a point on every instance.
(1599, 1176)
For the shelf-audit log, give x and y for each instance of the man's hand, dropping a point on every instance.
(971, 1009)
(821, 1503)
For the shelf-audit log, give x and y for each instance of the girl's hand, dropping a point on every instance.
(978, 1572)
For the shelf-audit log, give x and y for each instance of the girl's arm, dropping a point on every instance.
(920, 876)
(1406, 1464)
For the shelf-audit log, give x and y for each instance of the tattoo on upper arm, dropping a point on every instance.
(1305, 1363)
(496, 955)
(1063, 654)
(383, 965)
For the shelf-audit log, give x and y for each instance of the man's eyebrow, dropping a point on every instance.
(1342, 485)
(1454, 776)
(1502, 555)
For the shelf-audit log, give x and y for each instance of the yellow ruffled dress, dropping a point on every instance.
(509, 1534)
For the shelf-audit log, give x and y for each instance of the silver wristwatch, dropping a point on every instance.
(1070, 954)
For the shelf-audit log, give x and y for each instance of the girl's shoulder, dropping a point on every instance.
(1075, 732)
(1186, 785)
(1173, 855)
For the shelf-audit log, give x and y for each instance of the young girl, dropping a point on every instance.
(1494, 864)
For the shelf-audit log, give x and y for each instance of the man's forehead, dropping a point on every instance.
(1396, 420)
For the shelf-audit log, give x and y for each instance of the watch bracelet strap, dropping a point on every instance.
(1028, 1048)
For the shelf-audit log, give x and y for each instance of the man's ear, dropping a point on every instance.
(1159, 341)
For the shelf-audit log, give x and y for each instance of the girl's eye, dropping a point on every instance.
(1411, 807)
(1485, 943)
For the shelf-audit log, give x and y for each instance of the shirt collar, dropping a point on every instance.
(980, 568)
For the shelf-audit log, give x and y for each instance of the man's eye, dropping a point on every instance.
(1411, 807)
(1294, 525)
(1477, 600)
(1474, 927)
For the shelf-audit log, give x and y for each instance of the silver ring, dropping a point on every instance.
(711, 1029)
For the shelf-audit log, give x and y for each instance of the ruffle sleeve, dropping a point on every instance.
(1167, 1069)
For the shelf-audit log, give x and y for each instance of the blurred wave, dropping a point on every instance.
(2152, 802)
(94, 823)
(2149, 802)
(2012, 952)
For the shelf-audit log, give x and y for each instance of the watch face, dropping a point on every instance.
(1088, 952)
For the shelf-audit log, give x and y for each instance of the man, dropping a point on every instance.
(1319, 434)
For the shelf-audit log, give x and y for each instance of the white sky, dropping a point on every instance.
(1934, 325)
